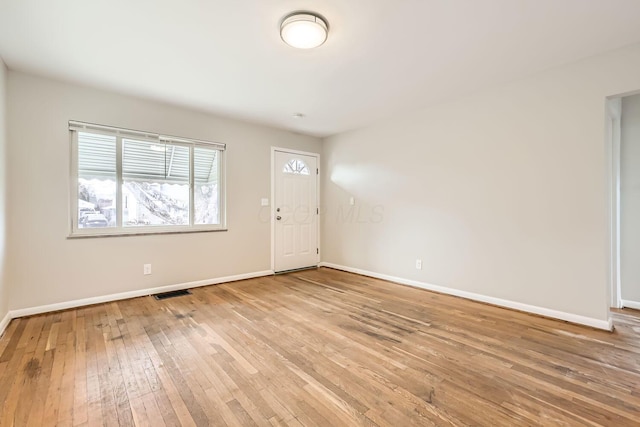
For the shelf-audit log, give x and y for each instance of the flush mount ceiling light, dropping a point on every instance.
(304, 30)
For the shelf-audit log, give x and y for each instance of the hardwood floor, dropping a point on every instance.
(318, 347)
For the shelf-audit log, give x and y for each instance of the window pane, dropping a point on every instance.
(96, 180)
(155, 183)
(206, 164)
(297, 167)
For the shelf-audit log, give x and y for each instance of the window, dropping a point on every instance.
(130, 182)
(297, 167)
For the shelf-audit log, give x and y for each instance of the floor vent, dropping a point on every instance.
(165, 295)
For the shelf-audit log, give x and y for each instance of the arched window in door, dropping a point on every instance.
(297, 167)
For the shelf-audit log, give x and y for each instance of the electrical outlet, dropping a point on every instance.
(419, 264)
(146, 269)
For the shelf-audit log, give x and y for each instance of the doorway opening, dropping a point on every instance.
(623, 146)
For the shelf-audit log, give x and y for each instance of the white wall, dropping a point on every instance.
(630, 199)
(4, 294)
(45, 267)
(502, 194)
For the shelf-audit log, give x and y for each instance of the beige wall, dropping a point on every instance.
(4, 294)
(45, 267)
(630, 199)
(502, 193)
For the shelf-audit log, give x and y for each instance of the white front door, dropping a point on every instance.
(295, 211)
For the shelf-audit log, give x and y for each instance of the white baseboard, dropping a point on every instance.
(4, 323)
(630, 304)
(606, 325)
(13, 314)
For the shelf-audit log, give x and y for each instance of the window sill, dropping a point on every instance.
(143, 233)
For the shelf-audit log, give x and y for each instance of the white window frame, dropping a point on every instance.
(119, 229)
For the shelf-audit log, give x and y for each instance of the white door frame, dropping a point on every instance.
(613, 111)
(273, 195)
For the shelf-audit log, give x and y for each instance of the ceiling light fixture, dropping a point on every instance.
(304, 30)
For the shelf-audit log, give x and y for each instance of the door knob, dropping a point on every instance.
(278, 217)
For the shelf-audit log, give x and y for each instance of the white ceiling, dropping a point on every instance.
(383, 57)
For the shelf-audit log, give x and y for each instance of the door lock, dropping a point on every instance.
(278, 217)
